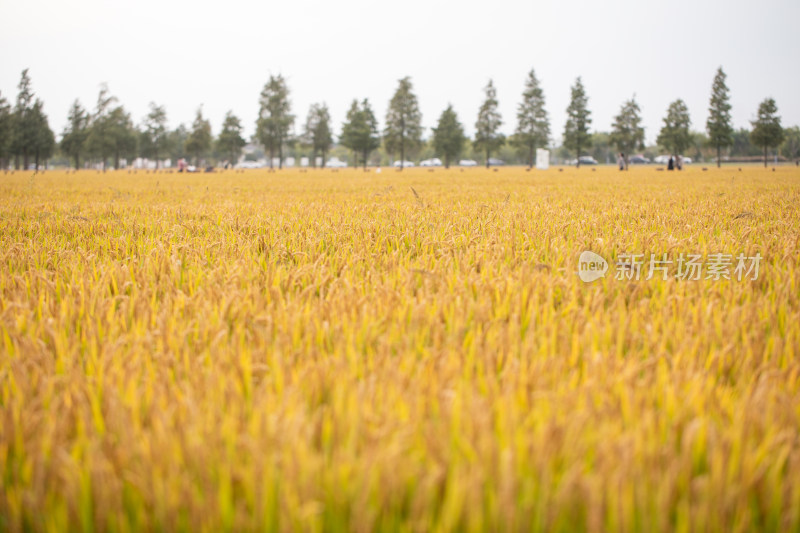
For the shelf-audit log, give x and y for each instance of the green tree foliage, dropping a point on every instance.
(360, 130)
(123, 136)
(718, 125)
(576, 131)
(44, 143)
(448, 136)
(533, 125)
(198, 142)
(176, 143)
(274, 118)
(73, 139)
(24, 124)
(230, 141)
(99, 141)
(348, 137)
(675, 136)
(742, 146)
(155, 136)
(698, 145)
(767, 131)
(790, 149)
(488, 138)
(602, 147)
(30, 133)
(627, 134)
(403, 121)
(5, 132)
(318, 134)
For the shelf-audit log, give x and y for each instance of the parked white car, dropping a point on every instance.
(664, 159)
(435, 162)
(468, 163)
(250, 164)
(335, 162)
(406, 164)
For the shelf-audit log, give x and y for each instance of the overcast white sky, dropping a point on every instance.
(181, 54)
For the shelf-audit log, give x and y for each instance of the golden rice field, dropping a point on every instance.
(351, 351)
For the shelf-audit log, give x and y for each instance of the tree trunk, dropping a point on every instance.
(156, 154)
(36, 161)
(402, 152)
(488, 153)
(365, 159)
(446, 161)
(324, 154)
(765, 156)
(280, 156)
(271, 156)
(77, 161)
(719, 157)
(26, 158)
(116, 160)
(578, 154)
(530, 156)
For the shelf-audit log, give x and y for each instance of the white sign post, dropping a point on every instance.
(542, 159)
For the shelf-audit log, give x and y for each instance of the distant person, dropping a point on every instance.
(181, 165)
(621, 161)
(679, 162)
(671, 164)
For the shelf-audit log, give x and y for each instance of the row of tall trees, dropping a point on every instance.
(105, 134)
(108, 133)
(627, 134)
(403, 125)
(767, 131)
(25, 135)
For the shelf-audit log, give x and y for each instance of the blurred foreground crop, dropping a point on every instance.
(338, 351)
